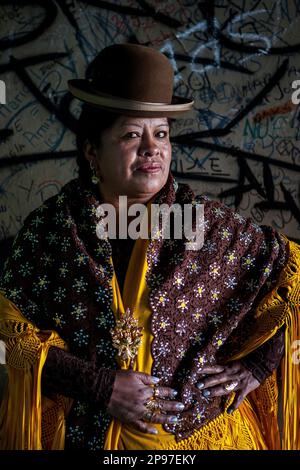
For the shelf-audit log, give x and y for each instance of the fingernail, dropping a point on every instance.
(200, 385)
(174, 393)
(153, 431)
(179, 406)
(155, 380)
(173, 419)
(206, 393)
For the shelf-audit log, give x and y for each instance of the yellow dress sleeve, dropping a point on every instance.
(28, 421)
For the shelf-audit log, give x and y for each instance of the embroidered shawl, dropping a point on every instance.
(203, 302)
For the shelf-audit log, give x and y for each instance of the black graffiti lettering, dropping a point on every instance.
(49, 17)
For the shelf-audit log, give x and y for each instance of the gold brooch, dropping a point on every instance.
(127, 337)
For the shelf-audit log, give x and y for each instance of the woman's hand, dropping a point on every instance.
(222, 380)
(131, 393)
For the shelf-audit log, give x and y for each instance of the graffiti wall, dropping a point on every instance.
(237, 59)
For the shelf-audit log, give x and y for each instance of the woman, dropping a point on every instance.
(124, 344)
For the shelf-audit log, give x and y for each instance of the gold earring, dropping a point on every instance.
(95, 179)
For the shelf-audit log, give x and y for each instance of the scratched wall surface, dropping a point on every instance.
(237, 59)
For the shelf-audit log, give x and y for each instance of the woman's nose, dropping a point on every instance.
(148, 147)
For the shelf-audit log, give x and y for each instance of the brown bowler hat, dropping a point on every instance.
(133, 80)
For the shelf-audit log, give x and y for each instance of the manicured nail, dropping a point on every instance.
(174, 393)
(206, 393)
(155, 380)
(179, 406)
(200, 385)
(173, 419)
(153, 431)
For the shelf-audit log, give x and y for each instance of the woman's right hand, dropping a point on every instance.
(131, 392)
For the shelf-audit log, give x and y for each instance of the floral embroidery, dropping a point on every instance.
(226, 233)
(59, 320)
(102, 295)
(65, 245)
(193, 267)
(81, 259)
(218, 212)
(75, 434)
(182, 304)
(37, 221)
(181, 352)
(81, 337)
(199, 290)
(245, 238)
(163, 348)
(218, 340)
(14, 293)
(215, 318)
(59, 218)
(68, 222)
(59, 294)
(80, 408)
(198, 338)
(178, 280)
(52, 238)
(41, 285)
(234, 305)
(231, 282)
(47, 260)
(181, 328)
(231, 257)
(26, 269)
(267, 270)
(63, 269)
(17, 253)
(248, 261)
(162, 298)
(209, 246)
(7, 276)
(215, 295)
(214, 270)
(80, 285)
(238, 217)
(197, 314)
(79, 311)
(163, 324)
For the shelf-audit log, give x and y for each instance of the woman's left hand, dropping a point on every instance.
(219, 380)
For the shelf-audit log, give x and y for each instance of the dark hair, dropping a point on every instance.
(92, 121)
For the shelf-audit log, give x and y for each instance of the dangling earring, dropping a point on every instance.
(95, 179)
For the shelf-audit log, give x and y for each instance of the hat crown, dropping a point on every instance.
(133, 72)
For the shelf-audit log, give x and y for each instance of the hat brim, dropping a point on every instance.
(84, 91)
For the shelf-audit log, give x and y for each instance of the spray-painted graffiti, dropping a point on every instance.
(238, 61)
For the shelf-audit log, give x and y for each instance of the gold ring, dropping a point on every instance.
(152, 405)
(231, 385)
(148, 416)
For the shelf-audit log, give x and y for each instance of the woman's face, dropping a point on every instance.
(133, 157)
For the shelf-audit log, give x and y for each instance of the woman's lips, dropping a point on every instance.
(149, 168)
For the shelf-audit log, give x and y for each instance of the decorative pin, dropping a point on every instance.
(127, 337)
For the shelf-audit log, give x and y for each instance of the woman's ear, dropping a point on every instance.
(89, 150)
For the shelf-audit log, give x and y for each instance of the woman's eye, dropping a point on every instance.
(131, 135)
(162, 134)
